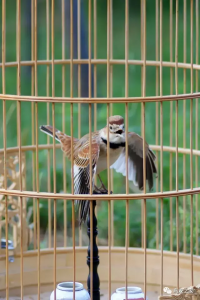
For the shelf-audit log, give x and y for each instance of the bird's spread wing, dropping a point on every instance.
(82, 173)
(135, 162)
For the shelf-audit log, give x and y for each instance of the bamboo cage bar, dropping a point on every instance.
(142, 85)
(44, 195)
(144, 148)
(126, 134)
(191, 140)
(72, 157)
(197, 124)
(111, 112)
(37, 217)
(63, 124)
(90, 145)
(161, 152)
(157, 121)
(154, 147)
(33, 38)
(160, 99)
(184, 124)
(48, 122)
(171, 123)
(79, 85)
(4, 141)
(108, 149)
(177, 173)
(18, 52)
(54, 149)
(99, 61)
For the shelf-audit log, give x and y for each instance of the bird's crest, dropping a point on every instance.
(118, 120)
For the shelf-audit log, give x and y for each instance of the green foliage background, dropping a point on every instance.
(135, 87)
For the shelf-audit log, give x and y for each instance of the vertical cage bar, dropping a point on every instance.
(53, 94)
(33, 120)
(7, 255)
(161, 152)
(95, 78)
(91, 249)
(63, 123)
(111, 112)
(127, 245)
(54, 246)
(161, 104)
(184, 122)
(126, 83)
(95, 66)
(197, 124)
(72, 145)
(48, 121)
(108, 148)
(108, 91)
(38, 203)
(79, 87)
(177, 199)
(191, 140)
(4, 137)
(73, 239)
(177, 238)
(37, 217)
(54, 150)
(79, 65)
(171, 124)
(109, 208)
(157, 127)
(176, 87)
(19, 88)
(143, 95)
(144, 145)
(126, 138)
(18, 50)
(109, 249)
(38, 242)
(142, 58)
(90, 147)
(71, 91)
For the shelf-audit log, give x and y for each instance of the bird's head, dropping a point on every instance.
(116, 129)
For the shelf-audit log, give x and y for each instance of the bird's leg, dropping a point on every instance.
(102, 188)
(97, 190)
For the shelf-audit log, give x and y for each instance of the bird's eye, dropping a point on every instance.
(110, 127)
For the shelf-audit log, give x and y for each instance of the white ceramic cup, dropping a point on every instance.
(64, 291)
(133, 292)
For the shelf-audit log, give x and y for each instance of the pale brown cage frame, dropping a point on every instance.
(37, 271)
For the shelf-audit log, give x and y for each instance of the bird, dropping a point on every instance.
(117, 144)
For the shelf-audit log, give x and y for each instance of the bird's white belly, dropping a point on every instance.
(102, 161)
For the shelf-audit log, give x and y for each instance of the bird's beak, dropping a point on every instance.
(120, 131)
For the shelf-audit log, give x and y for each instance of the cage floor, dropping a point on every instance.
(31, 294)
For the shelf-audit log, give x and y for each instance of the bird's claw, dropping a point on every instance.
(101, 190)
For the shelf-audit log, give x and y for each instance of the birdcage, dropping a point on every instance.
(72, 64)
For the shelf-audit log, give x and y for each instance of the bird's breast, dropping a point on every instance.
(102, 161)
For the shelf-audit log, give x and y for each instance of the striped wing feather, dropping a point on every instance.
(81, 162)
(82, 174)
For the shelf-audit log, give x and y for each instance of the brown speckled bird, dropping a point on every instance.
(99, 158)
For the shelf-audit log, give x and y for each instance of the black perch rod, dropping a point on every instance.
(95, 262)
